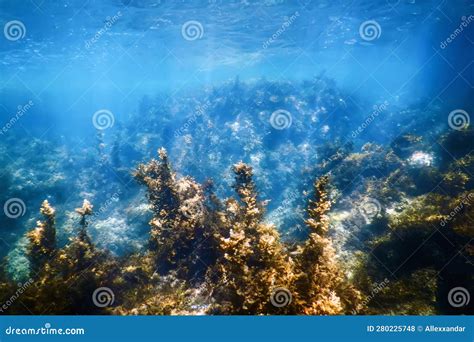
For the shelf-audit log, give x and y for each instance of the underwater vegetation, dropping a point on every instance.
(236, 157)
(224, 249)
(234, 216)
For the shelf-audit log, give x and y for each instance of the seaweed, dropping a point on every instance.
(65, 278)
(177, 229)
(251, 260)
(429, 232)
(242, 259)
(42, 240)
(215, 246)
(321, 285)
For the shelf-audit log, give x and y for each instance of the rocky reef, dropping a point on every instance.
(206, 255)
(240, 215)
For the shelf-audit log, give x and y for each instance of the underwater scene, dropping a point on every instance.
(241, 157)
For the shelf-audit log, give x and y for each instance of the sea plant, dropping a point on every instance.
(252, 261)
(64, 283)
(178, 233)
(42, 240)
(319, 283)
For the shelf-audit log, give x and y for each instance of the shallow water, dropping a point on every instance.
(88, 89)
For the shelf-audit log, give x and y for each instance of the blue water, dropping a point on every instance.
(144, 52)
(247, 59)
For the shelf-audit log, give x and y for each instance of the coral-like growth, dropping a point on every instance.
(84, 211)
(162, 195)
(79, 255)
(177, 228)
(245, 187)
(319, 282)
(165, 295)
(410, 202)
(244, 258)
(65, 283)
(411, 295)
(428, 229)
(254, 265)
(42, 240)
(252, 260)
(318, 208)
(205, 256)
